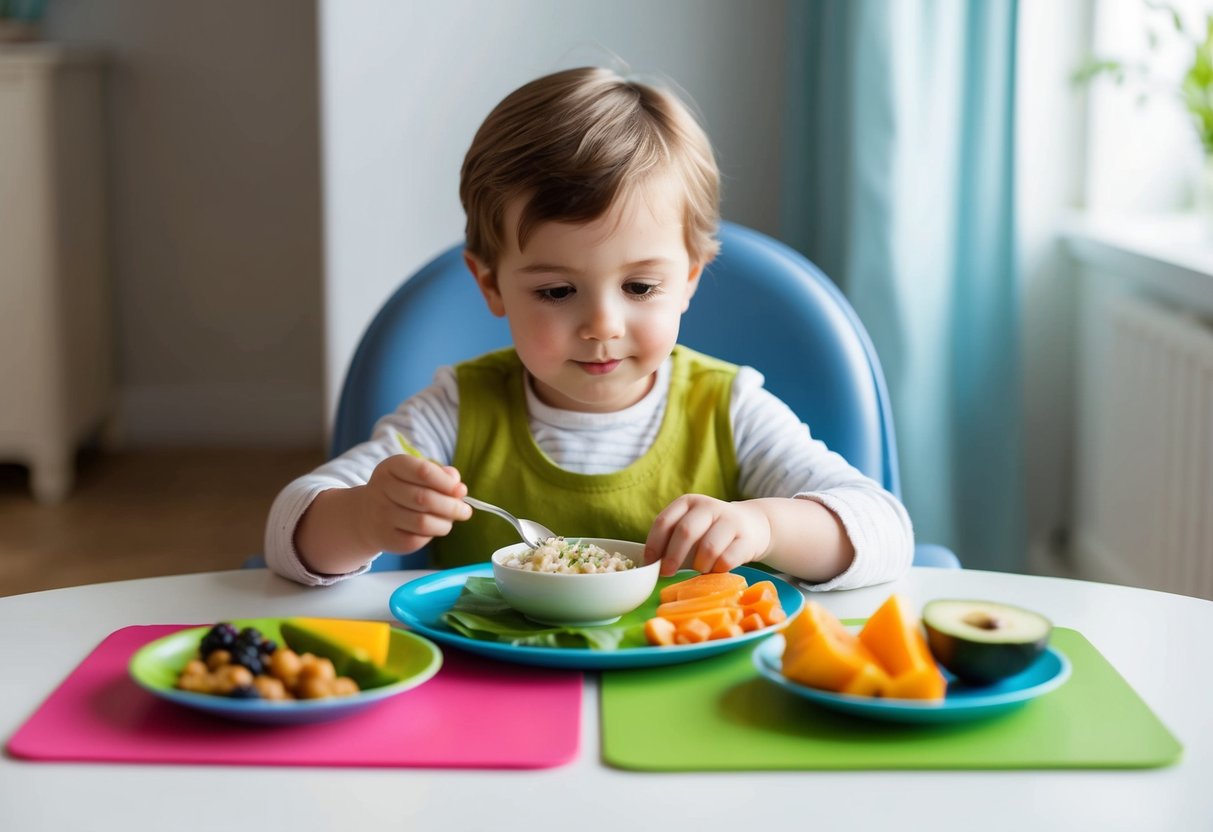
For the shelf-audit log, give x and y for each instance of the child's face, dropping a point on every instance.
(594, 309)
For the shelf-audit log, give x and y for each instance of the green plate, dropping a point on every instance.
(412, 660)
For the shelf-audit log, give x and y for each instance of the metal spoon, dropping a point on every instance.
(533, 534)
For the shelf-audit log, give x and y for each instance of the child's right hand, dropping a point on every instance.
(407, 502)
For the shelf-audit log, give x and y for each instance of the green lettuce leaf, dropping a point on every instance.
(481, 613)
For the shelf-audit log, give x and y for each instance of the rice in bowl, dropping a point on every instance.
(568, 557)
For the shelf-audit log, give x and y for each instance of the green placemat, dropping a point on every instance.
(720, 715)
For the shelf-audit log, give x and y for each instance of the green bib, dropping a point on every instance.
(501, 464)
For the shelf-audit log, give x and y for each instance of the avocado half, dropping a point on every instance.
(347, 662)
(982, 642)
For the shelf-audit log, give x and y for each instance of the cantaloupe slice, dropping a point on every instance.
(707, 584)
(691, 631)
(767, 609)
(702, 602)
(923, 683)
(893, 636)
(761, 591)
(871, 680)
(727, 630)
(367, 640)
(821, 652)
(714, 617)
(659, 631)
(714, 601)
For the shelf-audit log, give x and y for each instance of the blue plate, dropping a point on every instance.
(421, 603)
(156, 666)
(962, 702)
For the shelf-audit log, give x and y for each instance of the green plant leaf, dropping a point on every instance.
(1092, 67)
(481, 613)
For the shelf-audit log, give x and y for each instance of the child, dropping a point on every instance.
(591, 207)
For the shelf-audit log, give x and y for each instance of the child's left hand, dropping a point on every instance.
(720, 535)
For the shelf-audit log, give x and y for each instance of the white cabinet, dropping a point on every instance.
(56, 363)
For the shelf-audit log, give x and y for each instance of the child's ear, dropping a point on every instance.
(486, 279)
(692, 285)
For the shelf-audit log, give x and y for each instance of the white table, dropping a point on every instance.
(1159, 642)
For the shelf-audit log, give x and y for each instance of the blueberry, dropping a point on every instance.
(267, 646)
(220, 637)
(248, 656)
(245, 692)
(250, 635)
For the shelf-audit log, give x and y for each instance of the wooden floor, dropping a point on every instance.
(140, 514)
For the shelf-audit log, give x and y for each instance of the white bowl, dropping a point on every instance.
(573, 599)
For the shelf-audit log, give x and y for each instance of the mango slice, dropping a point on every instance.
(368, 640)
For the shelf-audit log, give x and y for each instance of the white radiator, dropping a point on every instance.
(1145, 506)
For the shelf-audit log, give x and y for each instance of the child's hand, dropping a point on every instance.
(407, 502)
(718, 534)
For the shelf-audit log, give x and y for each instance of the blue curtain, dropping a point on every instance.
(898, 155)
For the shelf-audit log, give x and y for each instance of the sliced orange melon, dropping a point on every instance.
(659, 631)
(893, 636)
(714, 617)
(702, 602)
(691, 631)
(707, 584)
(761, 591)
(768, 610)
(871, 680)
(922, 683)
(727, 630)
(821, 652)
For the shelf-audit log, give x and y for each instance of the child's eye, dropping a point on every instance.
(641, 290)
(554, 294)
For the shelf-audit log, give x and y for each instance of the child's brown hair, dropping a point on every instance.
(573, 142)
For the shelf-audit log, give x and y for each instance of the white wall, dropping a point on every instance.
(405, 85)
(214, 207)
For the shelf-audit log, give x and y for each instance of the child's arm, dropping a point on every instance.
(407, 502)
(811, 514)
(324, 500)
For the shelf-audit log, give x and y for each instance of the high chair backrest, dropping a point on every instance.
(759, 303)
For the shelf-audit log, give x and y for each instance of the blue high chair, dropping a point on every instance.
(759, 303)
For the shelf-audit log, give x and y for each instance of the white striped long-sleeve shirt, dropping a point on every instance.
(776, 455)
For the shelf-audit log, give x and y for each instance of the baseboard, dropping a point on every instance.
(220, 415)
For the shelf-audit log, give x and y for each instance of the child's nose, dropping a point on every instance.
(603, 321)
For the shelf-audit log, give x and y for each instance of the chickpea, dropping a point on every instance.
(194, 668)
(217, 659)
(344, 686)
(270, 688)
(313, 687)
(318, 669)
(232, 676)
(196, 683)
(285, 664)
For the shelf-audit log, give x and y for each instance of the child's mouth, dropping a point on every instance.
(599, 368)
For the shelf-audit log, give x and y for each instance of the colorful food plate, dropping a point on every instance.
(961, 703)
(421, 603)
(156, 666)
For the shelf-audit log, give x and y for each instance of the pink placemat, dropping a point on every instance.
(470, 715)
